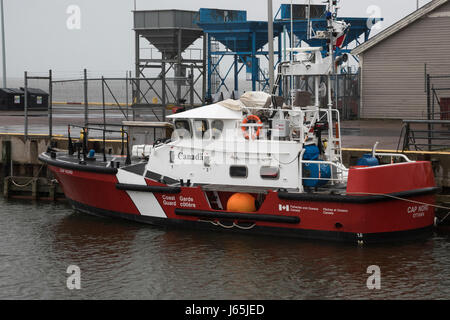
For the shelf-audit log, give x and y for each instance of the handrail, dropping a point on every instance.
(340, 170)
(104, 130)
(428, 121)
(385, 154)
(410, 138)
(396, 155)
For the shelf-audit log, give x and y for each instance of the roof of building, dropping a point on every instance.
(35, 91)
(11, 90)
(21, 91)
(400, 25)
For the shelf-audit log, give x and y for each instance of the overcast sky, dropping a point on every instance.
(38, 36)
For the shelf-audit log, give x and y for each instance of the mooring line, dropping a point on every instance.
(218, 224)
(29, 182)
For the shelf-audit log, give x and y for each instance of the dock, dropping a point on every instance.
(24, 176)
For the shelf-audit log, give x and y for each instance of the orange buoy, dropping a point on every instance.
(241, 202)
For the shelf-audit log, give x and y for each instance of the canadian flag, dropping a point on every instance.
(283, 208)
(341, 29)
(340, 41)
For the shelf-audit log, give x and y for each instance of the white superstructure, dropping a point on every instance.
(254, 142)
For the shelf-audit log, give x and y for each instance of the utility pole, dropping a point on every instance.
(3, 46)
(270, 38)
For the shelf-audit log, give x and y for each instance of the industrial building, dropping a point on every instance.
(395, 64)
(231, 45)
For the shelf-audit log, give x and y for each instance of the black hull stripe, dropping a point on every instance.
(237, 216)
(356, 199)
(77, 167)
(142, 188)
(422, 233)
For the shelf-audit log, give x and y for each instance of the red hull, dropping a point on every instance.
(341, 220)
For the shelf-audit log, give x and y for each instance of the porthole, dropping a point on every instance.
(239, 171)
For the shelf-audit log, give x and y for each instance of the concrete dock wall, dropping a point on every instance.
(21, 172)
(26, 151)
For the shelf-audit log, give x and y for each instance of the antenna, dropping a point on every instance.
(292, 26)
(309, 20)
(271, 50)
(330, 15)
(292, 53)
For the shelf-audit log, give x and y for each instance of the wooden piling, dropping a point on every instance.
(6, 157)
(52, 191)
(34, 189)
(6, 187)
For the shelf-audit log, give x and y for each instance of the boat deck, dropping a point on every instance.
(76, 161)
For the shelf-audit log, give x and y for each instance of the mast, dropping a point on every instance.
(312, 61)
(291, 57)
(271, 50)
(330, 19)
(309, 34)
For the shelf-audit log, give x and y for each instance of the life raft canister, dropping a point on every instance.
(246, 130)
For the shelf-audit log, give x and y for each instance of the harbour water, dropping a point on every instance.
(123, 260)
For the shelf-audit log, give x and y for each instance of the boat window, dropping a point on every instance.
(238, 171)
(216, 128)
(200, 127)
(272, 173)
(183, 129)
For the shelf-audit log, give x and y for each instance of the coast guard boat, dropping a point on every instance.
(260, 165)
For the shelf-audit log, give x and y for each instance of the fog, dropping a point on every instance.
(43, 35)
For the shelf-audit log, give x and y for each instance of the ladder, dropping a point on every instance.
(214, 200)
(215, 78)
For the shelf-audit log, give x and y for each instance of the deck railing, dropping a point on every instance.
(81, 147)
(429, 139)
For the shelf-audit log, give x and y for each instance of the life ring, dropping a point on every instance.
(245, 129)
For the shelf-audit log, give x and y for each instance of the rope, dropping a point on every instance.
(218, 224)
(244, 228)
(446, 216)
(21, 185)
(29, 182)
(287, 163)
